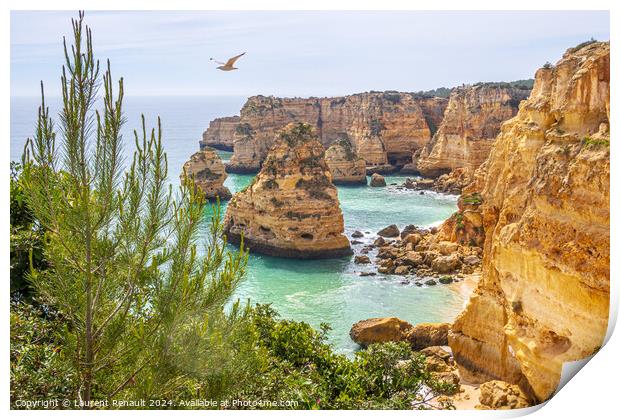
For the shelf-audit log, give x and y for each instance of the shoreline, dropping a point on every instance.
(466, 286)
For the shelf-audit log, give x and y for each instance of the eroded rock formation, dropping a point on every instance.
(220, 134)
(544, 295)
(344, 164)
(384, 127)
(471, 122)
(207, 171)
(291, 209)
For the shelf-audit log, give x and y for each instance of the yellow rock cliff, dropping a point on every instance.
(544, 295)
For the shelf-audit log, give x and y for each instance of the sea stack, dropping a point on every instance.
(291, 209)
(344, 164)
(207, 170)
(544, 195)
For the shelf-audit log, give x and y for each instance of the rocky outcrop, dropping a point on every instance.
(451, 183)
(471, 122)
(466, 225)
(344, 164)
(390, 231)
(207, 171)
(291, 209)
(441, 366)
(220, 134)
(544, 294)
(377, 180)
(499, 395)
(379, 330)
(423, 252)
(384, 127)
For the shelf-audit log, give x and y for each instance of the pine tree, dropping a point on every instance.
(144, 308)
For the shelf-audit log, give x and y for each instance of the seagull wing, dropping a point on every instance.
(218, 62)
(231, 61)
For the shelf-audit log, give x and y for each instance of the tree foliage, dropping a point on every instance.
(26, 238)
(144, 313)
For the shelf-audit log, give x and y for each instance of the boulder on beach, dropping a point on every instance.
(471, 260)
(362, 259)
(401, 270)
(379, 330)
(390, 231)
(367, 274)
(428, 334)
(446, 264)
(446, 279)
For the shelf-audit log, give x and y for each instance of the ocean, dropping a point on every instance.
(329, 291)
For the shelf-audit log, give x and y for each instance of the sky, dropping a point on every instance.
(298, 53)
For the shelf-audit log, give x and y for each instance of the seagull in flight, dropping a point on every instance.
(229, 65)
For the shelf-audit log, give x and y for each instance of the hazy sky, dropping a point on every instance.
(301, 53)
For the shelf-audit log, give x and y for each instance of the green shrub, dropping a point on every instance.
(298, 133)
(26, 237)
(459, 220)
(582, 45)
(590, 142)
(472, 199)
(303, 367)
(40, 369)
(392, 96)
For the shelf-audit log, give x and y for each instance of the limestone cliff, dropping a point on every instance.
(207, 171)
(383, 126)
(344, 164)
(291, 209)
(220, 134)
(544, 201)
(471, 122)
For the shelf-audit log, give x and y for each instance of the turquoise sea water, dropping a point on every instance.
(313, 291)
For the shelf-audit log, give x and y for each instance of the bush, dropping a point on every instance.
(297, 133)
(303, 367)
(582, 45)
(473, 199)
(590, 142)
(39, 369)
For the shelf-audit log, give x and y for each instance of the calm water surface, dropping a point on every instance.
(313, 291)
